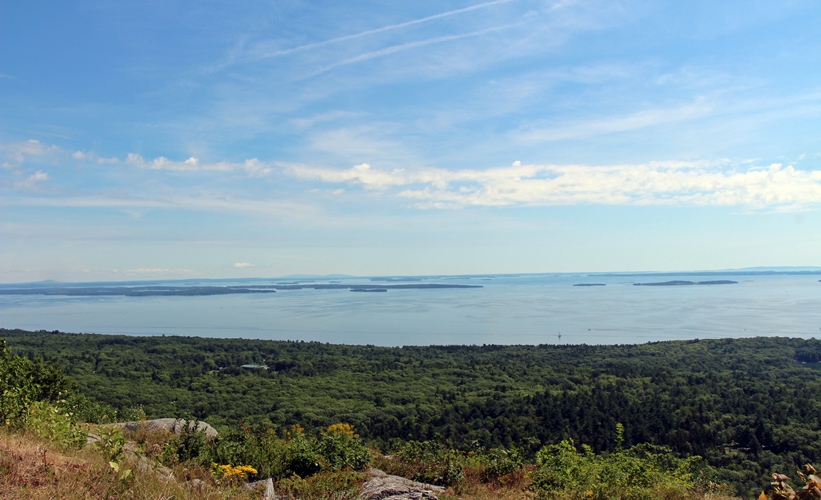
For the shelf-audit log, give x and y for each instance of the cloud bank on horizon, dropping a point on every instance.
(183, 139)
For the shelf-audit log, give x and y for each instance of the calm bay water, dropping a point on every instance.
(507, 310)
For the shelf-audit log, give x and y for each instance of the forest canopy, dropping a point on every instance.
(748, 406)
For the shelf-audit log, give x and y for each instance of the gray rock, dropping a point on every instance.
(175, 425)
(383, 486)
(196, 484)
(146, 465)
(267, 493)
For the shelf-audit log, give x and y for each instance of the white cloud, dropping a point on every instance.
(91, 156)
(18, 152)
(356, 143)
(156, 271)
(252, 167)
(655, 183)
(215, 202)
(330, 116)
(242, 265)
(32, 180)
(635, 121)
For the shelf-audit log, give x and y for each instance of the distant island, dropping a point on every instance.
(158, 290)
(685, 283)
(136, 291)
(589, 284)
(396, 279)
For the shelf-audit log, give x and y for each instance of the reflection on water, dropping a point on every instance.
(511, 310)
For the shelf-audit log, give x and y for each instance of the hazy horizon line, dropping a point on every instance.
(755, 270)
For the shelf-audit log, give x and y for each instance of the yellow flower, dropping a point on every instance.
(240, 471)
(341, 429)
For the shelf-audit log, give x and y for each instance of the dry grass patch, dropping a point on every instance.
(475, 485)
(31, 468)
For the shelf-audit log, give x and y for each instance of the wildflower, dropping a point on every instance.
(229, 471)
(346, 429)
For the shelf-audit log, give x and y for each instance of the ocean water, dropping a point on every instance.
(528, 309)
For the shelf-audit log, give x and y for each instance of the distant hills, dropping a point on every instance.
(295, 279)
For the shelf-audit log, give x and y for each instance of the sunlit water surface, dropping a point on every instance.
(507, 310)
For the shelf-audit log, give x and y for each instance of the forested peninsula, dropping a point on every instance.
(170, 291)
(748, 406)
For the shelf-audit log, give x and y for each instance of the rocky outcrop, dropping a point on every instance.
(175, 425)
(383, 486)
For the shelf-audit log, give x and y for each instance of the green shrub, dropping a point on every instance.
(337, 485)
(297, 453)
(301, 458)
(18, 387)
(642, 472)
(55, 423)
(190, 444)
(342, 449)
(32, 392)
(428, 462)
(500, 462)
(111, 442)
(92, 412)
(260, 448)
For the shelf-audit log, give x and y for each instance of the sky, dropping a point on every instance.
(178, 139)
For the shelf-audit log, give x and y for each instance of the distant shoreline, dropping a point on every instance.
(190, 291)
(688, 283)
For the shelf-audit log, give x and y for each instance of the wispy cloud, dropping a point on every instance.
(393, 49)
(93, 157)
(214, 202)
(656, 183)
(32, 180)
(242, 265)
(634, 121)
(261, 53)
(252, 167)
(156, 271)
(18, 152)
(329, 116)
(357, 143)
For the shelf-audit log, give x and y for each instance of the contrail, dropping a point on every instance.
(382, 29)
(408, 46)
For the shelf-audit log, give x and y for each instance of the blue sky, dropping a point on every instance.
(165, 139)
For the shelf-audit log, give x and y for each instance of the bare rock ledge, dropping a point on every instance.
(174, 425)
(383, 486)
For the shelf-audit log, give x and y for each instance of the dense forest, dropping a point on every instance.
(748, 406)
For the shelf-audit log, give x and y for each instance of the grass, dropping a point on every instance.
(31, 468)
(342, 485)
